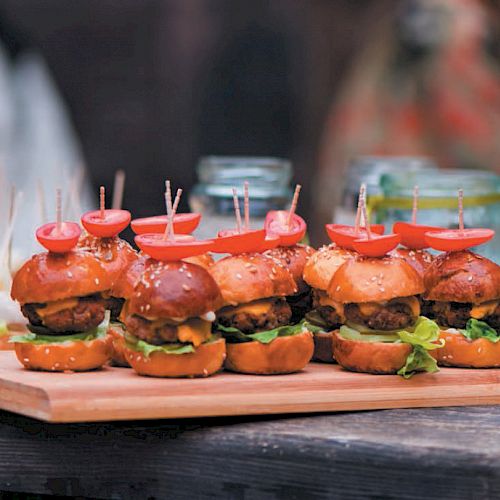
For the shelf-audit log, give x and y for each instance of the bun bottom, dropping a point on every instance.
(282, 355)
(206, 360)
(379, 358)
(77, 356)
(464, 353)
(323, 347)
(117, 343)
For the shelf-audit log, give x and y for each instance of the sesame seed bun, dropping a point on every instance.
(379, 358)
(323, 264)
(205, 260)
(206, 360)
(78, 356)
(129, 278)
(114, 254)
(174, 290)
(248, 277)
(368, 279)
(48, 277)
(420, 260)
(282, 355)
(462, 352)
(117, 343)
(462, 277)
(294, 258)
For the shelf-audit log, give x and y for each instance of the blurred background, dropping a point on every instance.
(327, 93)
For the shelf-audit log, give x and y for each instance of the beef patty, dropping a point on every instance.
(152, 332)
(87, 314)
(390, 316)
(456, 314)
(279, 314)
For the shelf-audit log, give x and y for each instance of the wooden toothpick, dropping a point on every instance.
(361, 196)
(237, 212)
(365, 216)
(246, 205)
(415, 205)
(102, 201)
(461, 209)
(293, 207)
(58, 211)
(118, 188)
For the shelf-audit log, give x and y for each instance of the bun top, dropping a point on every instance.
(123, 287)
(294, 258)
(368, 279)
(420, 260)
(205, 260)
(462, 277)
(114, 253)
(172, 290)
(47, 277)
(248, 277)
(323, 264)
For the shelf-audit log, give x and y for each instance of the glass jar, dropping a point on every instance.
(268, 178)
(369, 170)
(438, 203)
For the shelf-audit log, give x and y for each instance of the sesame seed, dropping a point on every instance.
(189, 275)
(247, 264)
(96, 281)
(70, 274)
(338, 288)
(148, 307)
(205, 372)
(26, 360)
(382, 289)
(141, 308)
(157, 283)
(469, 278)
(186, 287)
(72, 358)
(47, 351)
(138, 358)
(131, 356)
(181, 270)
(57, 365)
(239, 276)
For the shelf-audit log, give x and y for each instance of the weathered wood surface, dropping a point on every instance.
(439, 453)
(120, 394)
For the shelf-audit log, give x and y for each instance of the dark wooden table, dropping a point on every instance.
(433, 453)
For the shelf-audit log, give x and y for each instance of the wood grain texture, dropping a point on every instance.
(120, 394)
(437, 453)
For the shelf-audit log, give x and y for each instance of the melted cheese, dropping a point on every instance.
(370, 308)
(256, 308)
(195, 331)
(56, 306)
(484, 309)
(324, 300)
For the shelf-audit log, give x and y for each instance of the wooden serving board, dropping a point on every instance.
(120, 394)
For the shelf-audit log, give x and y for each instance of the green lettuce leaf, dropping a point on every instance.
(419, 360)
(423, 337)
(99, 331)
(476, 329)
(233, 335)
(315, 319)
(147, 349)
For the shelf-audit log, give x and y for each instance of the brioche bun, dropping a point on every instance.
(114, 254)
(294, 258)
(420, 260)
(117, 344)
(48, 277)
(174, 290)
(207, 359)
(462, 277)
(323, 264)
(369, 279)
(379, 358)
(323, 347)
(77, 356)
(129, 278)
(464, 353)
(205, 260)
(282, 355)
(248, 277)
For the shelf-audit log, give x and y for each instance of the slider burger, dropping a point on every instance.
(115, 255)
(383, 332)
(168, 314)
(464, 293)
(294, 259)
(255, 319)
(326, 315)
(61, 295)
(420, 260)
